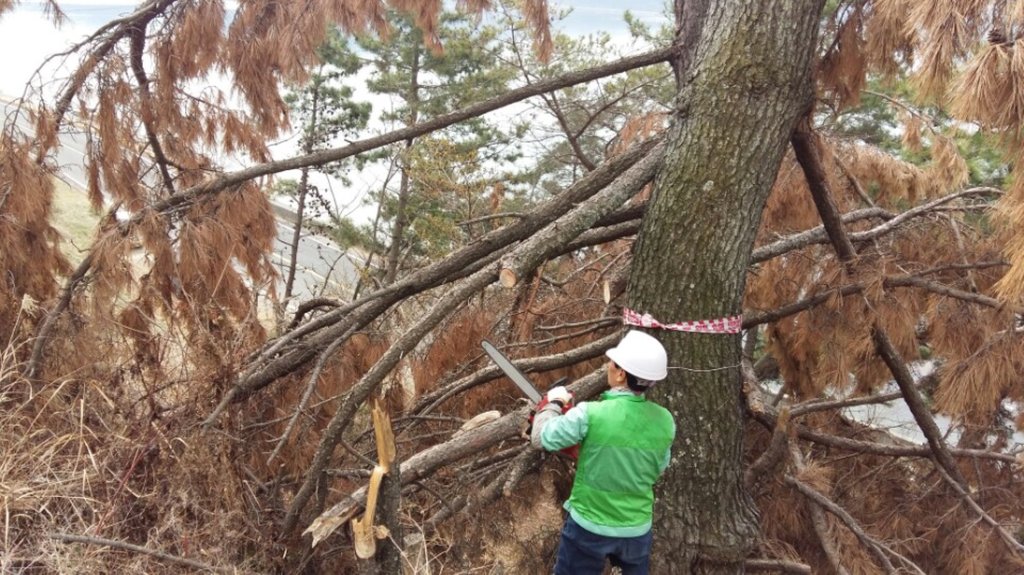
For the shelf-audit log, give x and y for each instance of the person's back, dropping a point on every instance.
(625, 444)
(620, 459)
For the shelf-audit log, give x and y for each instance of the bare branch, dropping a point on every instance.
(137, 37)
(314, 378)
(68, 538)
(754, 319)
(820, 524)
(118, 30)
(1011, 542)
(818, 235)
(766, 415)
(776, 566)
(489, 217)
(776, 452)
(876, 548)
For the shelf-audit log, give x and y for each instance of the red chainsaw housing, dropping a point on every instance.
(573, 451)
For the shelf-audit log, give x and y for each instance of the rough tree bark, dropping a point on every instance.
(744, 82)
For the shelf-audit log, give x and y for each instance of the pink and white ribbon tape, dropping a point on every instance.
(733, 324)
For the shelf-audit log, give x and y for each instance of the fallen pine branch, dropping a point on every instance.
(69, 538)
(776, 566)
(423, 464)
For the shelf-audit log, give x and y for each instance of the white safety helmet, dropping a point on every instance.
(641, 355)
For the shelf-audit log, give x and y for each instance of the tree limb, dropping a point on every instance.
(69, 538)
(475, 441)
(876, 548)
(523, 258)
(776, 451)
(765, 415)
(807, 155)
(820, 523)
(754, 319)
(777, 566)
(819, 234)
(1010, 541)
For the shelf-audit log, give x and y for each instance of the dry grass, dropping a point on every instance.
(84, 455)
(74, 219)
(49, 472)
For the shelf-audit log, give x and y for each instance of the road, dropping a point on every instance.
(318, 258)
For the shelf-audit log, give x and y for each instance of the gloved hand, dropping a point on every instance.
(561, 400)
(563, 403)
(559, 395)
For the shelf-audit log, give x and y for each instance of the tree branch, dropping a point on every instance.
(523, 258)
(137, 37)
(68, 538)
(777, 566)
(807, 155)
(1010, 541)
(227, 180)
(335, 154)
(475, 441)
(819, 234)
(876, 548)
(820, 523)
(753, 319)
(461, 263)
(766, 415)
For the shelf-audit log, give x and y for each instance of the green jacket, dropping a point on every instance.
(625, 444)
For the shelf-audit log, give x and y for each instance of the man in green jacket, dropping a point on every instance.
(625, 444)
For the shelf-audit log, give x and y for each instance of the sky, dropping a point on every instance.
(27, 38)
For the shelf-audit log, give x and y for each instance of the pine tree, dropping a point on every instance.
(325, 109)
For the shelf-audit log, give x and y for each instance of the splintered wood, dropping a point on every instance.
(365, 535)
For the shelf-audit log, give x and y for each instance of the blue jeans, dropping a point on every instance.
(581, 552)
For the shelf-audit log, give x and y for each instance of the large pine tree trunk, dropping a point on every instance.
(744, 83)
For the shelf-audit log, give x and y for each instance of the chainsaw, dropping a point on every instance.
(527, 387)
